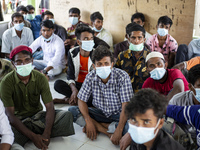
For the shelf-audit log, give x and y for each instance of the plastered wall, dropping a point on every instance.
(117, 14)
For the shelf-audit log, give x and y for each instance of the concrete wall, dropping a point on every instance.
(197, 19)
(117, 14)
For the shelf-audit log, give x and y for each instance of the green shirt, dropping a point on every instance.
(25, 98)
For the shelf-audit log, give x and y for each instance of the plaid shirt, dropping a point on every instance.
(110, 96)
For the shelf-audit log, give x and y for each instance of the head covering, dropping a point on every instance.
(154, 54)
(18, 49)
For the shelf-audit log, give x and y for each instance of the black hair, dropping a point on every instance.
(134, 27)
(146, 99)
(23, 52)
(194, 74)
(82, 28)
(100, 52)
(29, 7)
(96, 15)
(165, 20)
(21, 8)
(46, 13)
(48, 24)
(138, 15)
(74, 10)
(17, 15)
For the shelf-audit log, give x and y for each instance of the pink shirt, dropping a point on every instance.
(170, 45)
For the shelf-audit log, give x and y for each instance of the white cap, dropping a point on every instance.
(154, 54)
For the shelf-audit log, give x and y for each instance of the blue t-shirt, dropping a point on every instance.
(35, 26)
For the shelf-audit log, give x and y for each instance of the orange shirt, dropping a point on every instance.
(83, 68)
(192, 62)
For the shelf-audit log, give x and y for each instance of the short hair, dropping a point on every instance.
(82, 28)
(23, 52)
(96, 15)
(165, 20)
(48, 24)
(194, 74)
(100, 52)
(138, 15)
(74, 10)
(46, 13)
(17, 15)
(29, 7)
(134, 27)
(21, 8)
(144, 100)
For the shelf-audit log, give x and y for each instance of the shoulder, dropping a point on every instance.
(74, 51)
(90, 76)
(60, 27)
(171, 38)
(174, 73)
(120, 74)
(9, 78)
(148, 82)
(105, 31)
(194, 42)
(178, 98)
(8, 32)
(27, 29)
(58, 39)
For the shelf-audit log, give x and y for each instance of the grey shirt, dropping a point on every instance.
(194, 48)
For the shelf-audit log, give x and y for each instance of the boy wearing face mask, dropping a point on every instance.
(163, 42)
(166, 81)
(145, 122)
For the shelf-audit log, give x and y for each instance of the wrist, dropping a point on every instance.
(44, 72)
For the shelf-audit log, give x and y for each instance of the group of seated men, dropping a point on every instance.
(124, 96)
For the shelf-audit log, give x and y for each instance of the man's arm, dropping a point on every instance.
(5, 146)
(73, 98)
(30, 37)
(171, 59)
(180, 66)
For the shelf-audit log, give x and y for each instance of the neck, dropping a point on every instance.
(19, 33)
(105, 80)
(162, 37)
(137, 53)
(163, 78)
(149, 144)
(84, 53)
(25, 79)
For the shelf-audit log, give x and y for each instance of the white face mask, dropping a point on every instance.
(141, 135)
(87, 45)
(103, 72)
(73, 20)
(157, 73)
(162, 31)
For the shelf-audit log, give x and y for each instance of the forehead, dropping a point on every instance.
(20, 56)
(137, 20)
(154, 60)
(104, 59)
(73, 14)
(149, 114)
(86, 34)
(136, 33)
(17, 18)
(45, 28)
(162, 24)
(97, 20)
(48, 16)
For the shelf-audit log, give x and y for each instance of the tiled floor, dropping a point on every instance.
(79, 141)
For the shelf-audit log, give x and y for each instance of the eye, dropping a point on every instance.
(146, 122)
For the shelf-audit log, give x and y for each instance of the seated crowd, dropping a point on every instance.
(128, 91)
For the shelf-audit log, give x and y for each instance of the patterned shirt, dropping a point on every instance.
(134, 67)
(110, 96)
(170, 45)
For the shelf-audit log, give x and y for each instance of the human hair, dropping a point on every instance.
(48, 24)
(23, 52)
(46, 13)
(17, 15)
(96, 15)
(29, 7)
(194, 74)
(21, 8)
(82, 28)
(144, 100)
(134, 27)
(165, 20)
(74, 10)
(138, 15)
(100, 52)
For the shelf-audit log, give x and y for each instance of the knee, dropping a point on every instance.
(57, 84)
(75, 112)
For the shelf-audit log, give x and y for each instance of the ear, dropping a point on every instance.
(91, 23)
(112, 64)
(166, 65)
(78, 42)
(94, 66)
(191, 88)
(13, 64)
(143, 24)
(79, 17)
(145, 40)
(161, 123)
(157, 27)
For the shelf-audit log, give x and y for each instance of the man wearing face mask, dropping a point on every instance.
(111, 90)
(133, 60)
(163, 42)
(166, 81)
(17, 35)
(146, 121)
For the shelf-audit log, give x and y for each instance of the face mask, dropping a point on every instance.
(141, 135)
(96, 30)
(52, 20)
(25, 17)
(103, 72)
(24, 70)
(136, 48)
(73, 20)
(87, 45)
(197, 96)
(46, 40)
(157, 73)
(162, 31)
(19, 26)
(30, 16)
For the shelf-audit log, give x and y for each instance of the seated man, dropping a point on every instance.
(79, 64)
(111, 90)
(163, 42)
(145, 112)
(53, 49)
(17, 35)
(34, 20)
(5, 67)
(100, 32)
(22, 10)
(166, 81)
(7, 136)
(133, 59)
(20, 92)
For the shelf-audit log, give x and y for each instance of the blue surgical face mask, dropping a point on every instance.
(25, 17)
(52, 20)
(197, 96)
(96, 30)
(87, 45)
(49, 39)
(30, 16)
(73, 20)
(103, 72)
(162, 31)
(157, 73)
(136, 48)
(24, 70)
(19, 26)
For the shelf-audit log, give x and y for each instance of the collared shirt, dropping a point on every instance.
(35, 26)
(110, 96)
(170, 45)
(54, 51)
(6, 133)
(6, 67)
(135, 68)
(26, 24)
(25, 98)
(10, 39)
(194, 48)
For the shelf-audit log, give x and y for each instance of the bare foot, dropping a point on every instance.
(61, 101)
